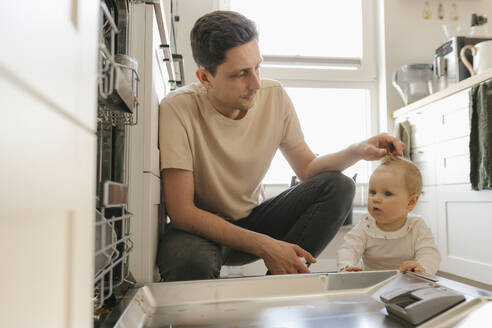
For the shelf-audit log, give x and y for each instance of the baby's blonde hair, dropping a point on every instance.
(413, 178)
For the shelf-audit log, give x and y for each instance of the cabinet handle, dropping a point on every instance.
(444, 162)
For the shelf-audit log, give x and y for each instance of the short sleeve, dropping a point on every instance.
(174, 141)
(292, 134)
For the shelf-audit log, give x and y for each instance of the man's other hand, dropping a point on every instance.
(281, 257)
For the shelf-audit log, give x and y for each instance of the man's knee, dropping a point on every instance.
(184, 256)
(346, 185)
(338, 182)
(191, 268)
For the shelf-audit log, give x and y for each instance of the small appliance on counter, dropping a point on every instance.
(482, 57)
(448, 65)
(413, 81)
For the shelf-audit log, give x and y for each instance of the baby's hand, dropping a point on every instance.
(352, 268)
(411, 266)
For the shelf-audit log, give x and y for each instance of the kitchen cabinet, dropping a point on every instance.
(50, 48)
(144, 176)
(458, 216)
(46, 214)
(47, 168)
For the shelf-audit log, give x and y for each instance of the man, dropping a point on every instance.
(217, 139)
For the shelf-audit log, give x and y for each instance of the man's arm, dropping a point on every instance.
(306, 165)
(279, 256)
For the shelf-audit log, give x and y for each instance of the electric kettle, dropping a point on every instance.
(413, 81)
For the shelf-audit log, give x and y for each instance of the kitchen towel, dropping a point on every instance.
(481, 136)
(404, 133)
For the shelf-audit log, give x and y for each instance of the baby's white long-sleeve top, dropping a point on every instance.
(383, 250)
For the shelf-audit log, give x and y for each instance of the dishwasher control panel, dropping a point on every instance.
(420, 303)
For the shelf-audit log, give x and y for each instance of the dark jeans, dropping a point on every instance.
(308, 214)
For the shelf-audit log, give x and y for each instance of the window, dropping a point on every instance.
(301, 23)
(315, 39)
(331, 119)
(323, 52)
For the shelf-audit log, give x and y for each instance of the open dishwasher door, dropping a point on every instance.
(350, 299)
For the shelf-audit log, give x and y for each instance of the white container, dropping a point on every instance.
(482, 57)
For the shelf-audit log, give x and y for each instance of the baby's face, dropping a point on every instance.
(388, 200)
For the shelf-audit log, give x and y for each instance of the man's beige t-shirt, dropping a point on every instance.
(229, 158)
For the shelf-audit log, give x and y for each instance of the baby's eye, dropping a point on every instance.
(388, 193)
(372, 192)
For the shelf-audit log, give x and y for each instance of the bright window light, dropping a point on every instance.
(312, 28)
(331, 120)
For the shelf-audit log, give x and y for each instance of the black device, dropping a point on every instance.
(420, 302)
(448, 55)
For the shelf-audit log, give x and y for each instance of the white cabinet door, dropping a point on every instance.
(47, 175)
(156, 87)
(453, 161)
(145, 229)
(425, 159)
(49, 47)
(423, 125)
(465, 223)
(454, 123)
(144, 181)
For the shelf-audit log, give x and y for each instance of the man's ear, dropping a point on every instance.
(412, 201)
(204, 77)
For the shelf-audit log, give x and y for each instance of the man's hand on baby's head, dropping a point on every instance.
(351, 269)
(411, 266)
(378, 146)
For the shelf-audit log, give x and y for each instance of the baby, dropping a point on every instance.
(390, 238)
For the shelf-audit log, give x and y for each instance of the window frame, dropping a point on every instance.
(365, 67)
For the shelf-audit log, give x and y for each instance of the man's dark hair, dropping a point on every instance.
(215, 33)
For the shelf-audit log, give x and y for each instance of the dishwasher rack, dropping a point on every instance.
(113, 242)
(117, 110)
(118, 78)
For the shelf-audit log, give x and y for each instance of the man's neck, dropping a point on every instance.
(233, 114)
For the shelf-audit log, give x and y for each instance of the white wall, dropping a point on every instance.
(406, 38)
(188, 11)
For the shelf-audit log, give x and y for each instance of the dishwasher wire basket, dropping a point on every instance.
(113, 242)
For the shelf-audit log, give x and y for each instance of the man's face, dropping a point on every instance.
(237, 79)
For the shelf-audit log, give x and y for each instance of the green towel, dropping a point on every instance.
(404, 133)
(481, 136)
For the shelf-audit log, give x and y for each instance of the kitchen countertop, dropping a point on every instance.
(452, 89)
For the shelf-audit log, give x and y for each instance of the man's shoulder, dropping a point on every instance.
(183, 96)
